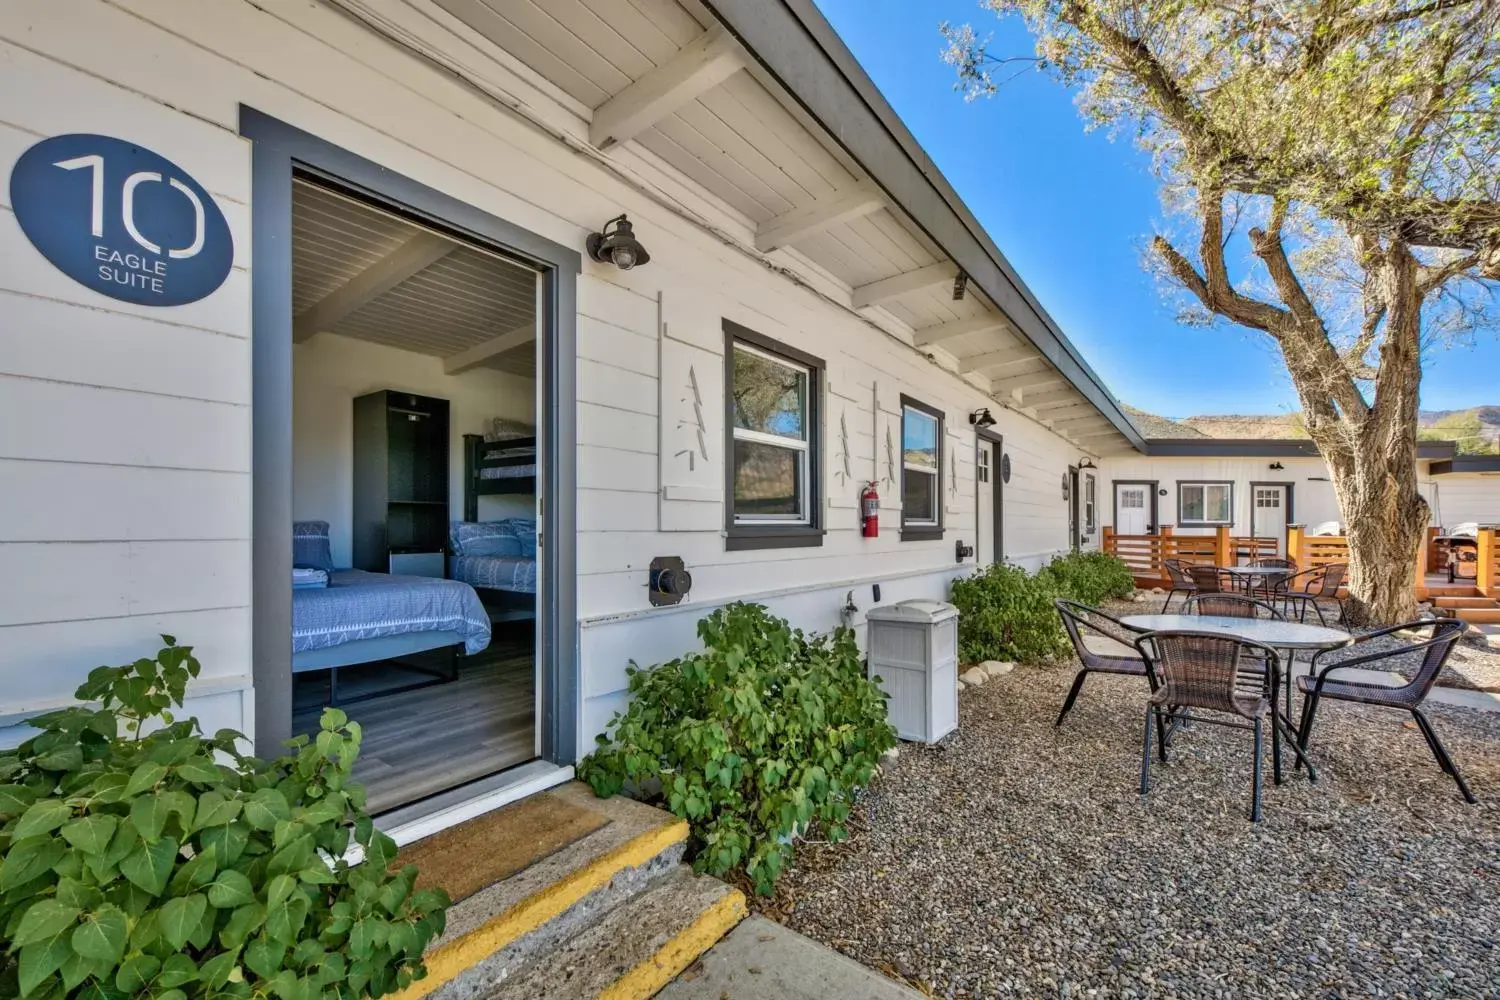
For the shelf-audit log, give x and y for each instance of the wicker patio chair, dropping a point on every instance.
(1182, 581)
(1309, 589)
(1230, 606)
(1212, 673)
(1103, 646)
(1212, 580)
(1275, 563)
(1267, 586)
(1320, 684)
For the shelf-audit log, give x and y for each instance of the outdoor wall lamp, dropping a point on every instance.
(982, 418)
(1087, 463)
(1277, 467)
(616, 244)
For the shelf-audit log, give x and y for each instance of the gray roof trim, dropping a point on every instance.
(797, 45)
(1262, 448)
(1466, 463)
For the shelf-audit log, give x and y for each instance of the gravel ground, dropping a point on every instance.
(1474, 664)
(1018, 860)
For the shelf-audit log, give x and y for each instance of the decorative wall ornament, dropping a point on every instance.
(890, 457)
(953, 471)
(696, 423)
(844, 474)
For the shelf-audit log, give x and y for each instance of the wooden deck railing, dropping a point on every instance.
(1144, 553)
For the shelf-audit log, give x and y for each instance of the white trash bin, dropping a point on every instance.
(913, 650)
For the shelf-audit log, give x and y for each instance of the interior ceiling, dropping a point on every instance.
(662, 78)
(364, 273)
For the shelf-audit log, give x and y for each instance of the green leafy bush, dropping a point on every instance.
(139, 858)
(763, 735)
(1088, 577)
(1006, 613)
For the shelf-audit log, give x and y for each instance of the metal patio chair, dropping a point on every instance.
(1320, 684)
(1103, 646)
(1212, 580)
(1230, 606)
(1209, 672)
(1309, 589)
(1182, 581)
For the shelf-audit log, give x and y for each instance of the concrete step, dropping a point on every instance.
(496, 931)
(762, 960)
(633, 950)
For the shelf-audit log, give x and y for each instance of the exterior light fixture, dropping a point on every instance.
(616, 244)
(982, 418)
(960, 285)
(1277, 467)
(1087, 463)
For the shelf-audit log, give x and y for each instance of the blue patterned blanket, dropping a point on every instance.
(359, 605)
(514, 573)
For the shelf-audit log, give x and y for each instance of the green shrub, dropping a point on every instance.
(1006, 613)
(763, 735)
(1089, 577)
(139, 858)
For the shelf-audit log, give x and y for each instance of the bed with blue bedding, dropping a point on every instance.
(498, 558)
(361, 617)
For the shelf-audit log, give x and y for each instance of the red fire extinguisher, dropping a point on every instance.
(869, 512)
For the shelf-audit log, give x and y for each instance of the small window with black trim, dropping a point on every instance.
(1090, 498)
(771, 442)
(921, 471)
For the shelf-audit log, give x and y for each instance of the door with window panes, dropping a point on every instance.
(1268, 514)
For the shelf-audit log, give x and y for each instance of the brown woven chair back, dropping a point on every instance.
(1229, 606)
(1206, 670)
(1210, 580)
(1276, 563)
(1332, 579)
(1177, 572)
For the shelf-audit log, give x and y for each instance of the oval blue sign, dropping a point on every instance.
(121, 219)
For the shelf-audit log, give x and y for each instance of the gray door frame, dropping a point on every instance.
(280, 152)
(997, 482)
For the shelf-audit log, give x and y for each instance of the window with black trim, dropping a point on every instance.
(1090, 498)
(1205, 503)
(921, 471)
(772, 441)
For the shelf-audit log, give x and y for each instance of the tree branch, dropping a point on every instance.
(1212, 287)
(1430, 278)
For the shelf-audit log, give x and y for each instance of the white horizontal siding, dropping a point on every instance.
(1460, 498)
(1312, 495)
(178, 74)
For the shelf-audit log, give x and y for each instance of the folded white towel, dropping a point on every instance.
(305, 577)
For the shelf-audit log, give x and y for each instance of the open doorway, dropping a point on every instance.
(414, 495)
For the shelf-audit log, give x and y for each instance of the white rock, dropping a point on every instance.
(997, 668)
(1158, 591)
(974, 676)
(890, 754)
(1140, 598)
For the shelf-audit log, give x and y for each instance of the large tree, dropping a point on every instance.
(1356, 143)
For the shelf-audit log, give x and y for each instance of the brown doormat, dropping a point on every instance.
(490, 848)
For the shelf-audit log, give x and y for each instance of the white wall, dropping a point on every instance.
(329, 371)
(1312, 494)
(1460, 497)
(173, 75)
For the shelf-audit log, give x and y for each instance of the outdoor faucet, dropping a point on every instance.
(849, 610)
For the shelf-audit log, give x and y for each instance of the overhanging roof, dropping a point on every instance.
(1265, 448)
(1466, 463)
(794, 43)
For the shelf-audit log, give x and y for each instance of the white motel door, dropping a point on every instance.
(1132, 509)
(1268, 514)
(984, 495)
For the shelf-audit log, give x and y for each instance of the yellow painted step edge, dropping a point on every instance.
(649, 977)
(448, 961)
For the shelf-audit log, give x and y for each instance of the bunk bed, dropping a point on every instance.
(497, 558)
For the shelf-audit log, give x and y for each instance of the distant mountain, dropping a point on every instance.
(1476, 430)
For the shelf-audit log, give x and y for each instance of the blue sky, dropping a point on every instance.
(1072, 212)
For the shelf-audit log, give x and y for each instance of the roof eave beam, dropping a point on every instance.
(933, 336)
(471, 357)
(701, 65)
(898, 285)
(820, 215)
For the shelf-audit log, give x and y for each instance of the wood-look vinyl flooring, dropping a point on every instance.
(419, 743)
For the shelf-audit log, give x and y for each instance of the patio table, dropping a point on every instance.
(1245, 576)
(1280, 636)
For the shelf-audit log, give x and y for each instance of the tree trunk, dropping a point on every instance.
(1372, 456)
